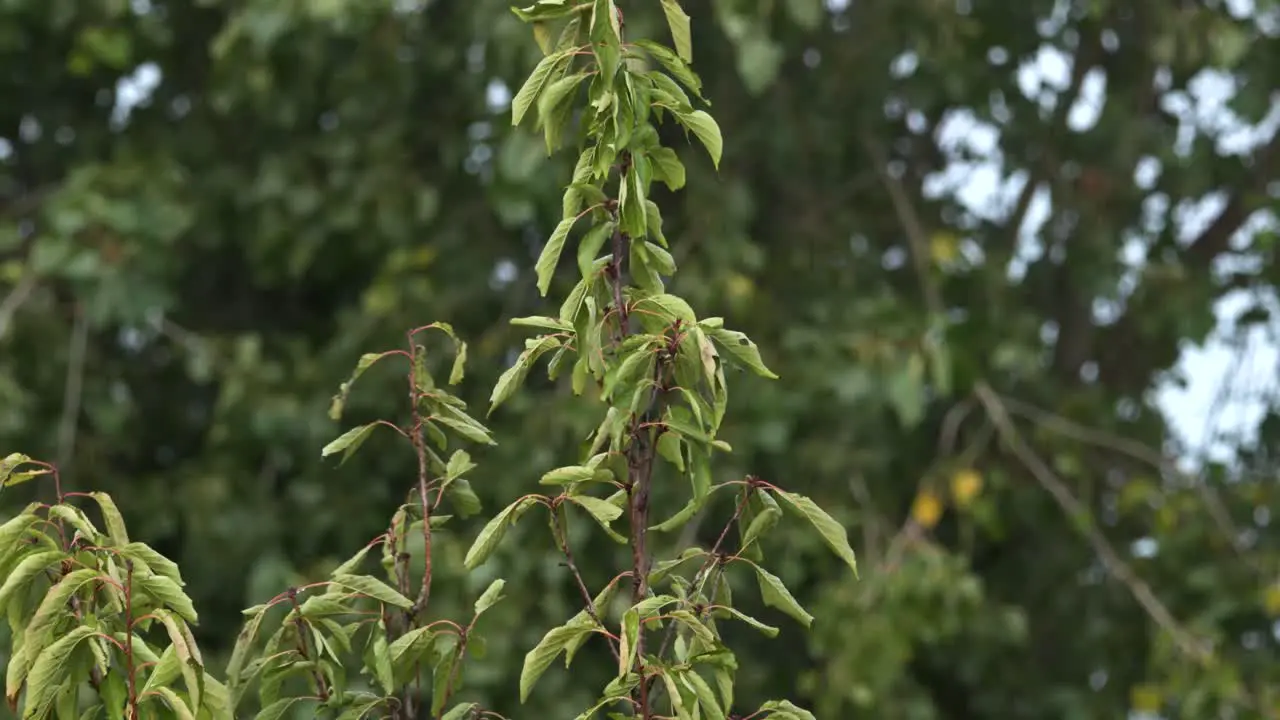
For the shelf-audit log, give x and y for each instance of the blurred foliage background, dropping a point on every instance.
(972, 236)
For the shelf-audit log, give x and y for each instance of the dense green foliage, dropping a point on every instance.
(187, 278)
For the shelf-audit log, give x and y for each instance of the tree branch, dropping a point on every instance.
(1193, 646)
(912, 226)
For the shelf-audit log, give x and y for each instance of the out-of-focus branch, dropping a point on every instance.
(15, 298)
(1133, 449)
(912, 226)
(1191, 645)
(73, 392)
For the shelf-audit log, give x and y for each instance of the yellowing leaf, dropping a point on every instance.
(927, 509)
(965, 486)
(1271, 600)
(944, 247)
(1145, 698)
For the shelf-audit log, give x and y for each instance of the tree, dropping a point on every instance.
(86, 605)
(331, 174)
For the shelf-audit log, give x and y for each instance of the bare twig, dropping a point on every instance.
(561, 533)
(1119, 569)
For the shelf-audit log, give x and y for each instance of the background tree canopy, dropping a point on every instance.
(972, 237)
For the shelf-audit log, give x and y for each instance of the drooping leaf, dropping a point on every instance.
(493, 531)
(742, 349)
(27, 569)
(459, 364)
(786, 710)
(550, 255)
(832, 533)
(591, 244)
(279, 709)
(763, 521)
(768, 630)
(678, 21)
(776, 594)
(116, 531)
(673, 64)
(544, 10)
(603, 511)
(490, 596)
(534, 86)
(566, 475)
(348, 442)
(537, 660)
(464, 711)
(707, 130)
(374, 588)
(50, 671)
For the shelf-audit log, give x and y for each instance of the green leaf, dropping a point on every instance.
(590, 245)
(667, 168)
(672, 63)
(682, 516)
(26, 570)
(566, 475)
(707, 130)
(167, 593)
(408, 651)
(674, 695)
(603, 511)
(833, 534)
(465, 711)
(112, 517)
(348, 442)
(785, 710)
(669, 308)
(629, 641)
(777, 595)
(550, 255)
(742, 349)
(472, 431)
(463, 497)
(173, 702)
(13, 529)
(491, 596)
(379, 658)
(493, 531)
(631, 199)
(51, 670)
(374, 588)
(459, 364)
(763, 522)
(278, 709)
(678, 21)
(514, 376)
(10, 463)
(537, 660)
(768, 630)
(545, 323)
(544, 10)
(535, 84)
(557, 93)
